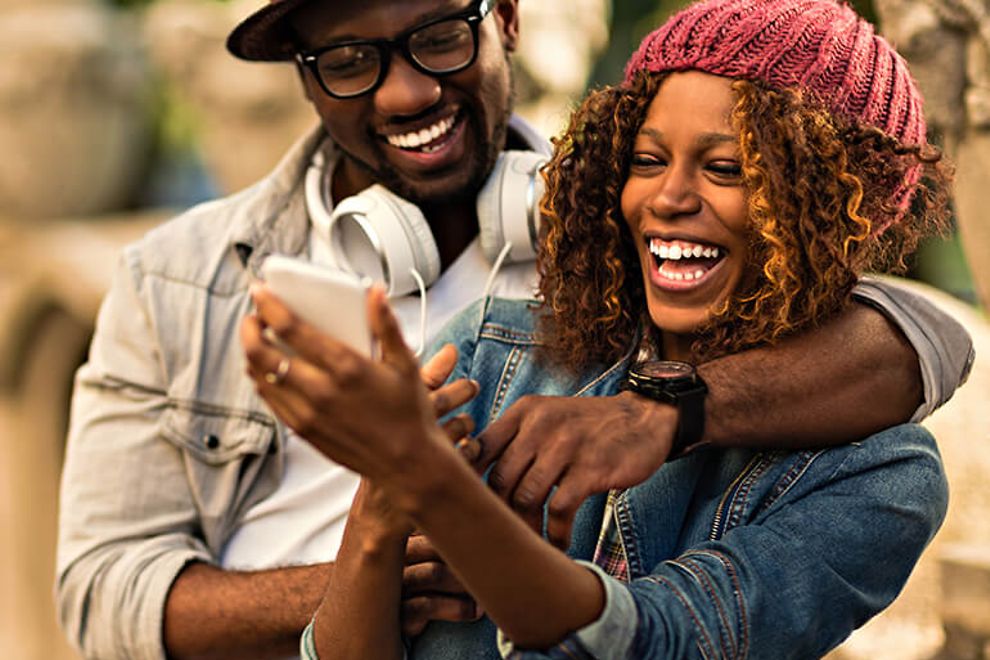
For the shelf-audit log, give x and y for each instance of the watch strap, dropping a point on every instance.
(689, 399)
(690, 420)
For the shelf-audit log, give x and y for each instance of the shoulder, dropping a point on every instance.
(197, 246)
(899, 465)
(509, 321)
(190, 248)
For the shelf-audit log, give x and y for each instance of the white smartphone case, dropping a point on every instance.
(332, 301)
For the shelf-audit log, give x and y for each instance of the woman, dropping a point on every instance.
(759, 156)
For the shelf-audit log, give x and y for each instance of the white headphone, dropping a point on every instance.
(377, 234)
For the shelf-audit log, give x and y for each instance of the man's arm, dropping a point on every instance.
(359, 615)
(853, 376)
(130, 533)
(214, 613)
(126, 518)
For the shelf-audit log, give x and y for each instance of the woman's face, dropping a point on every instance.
(685, 203)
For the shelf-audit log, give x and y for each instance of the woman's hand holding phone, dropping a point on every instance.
(374, 416)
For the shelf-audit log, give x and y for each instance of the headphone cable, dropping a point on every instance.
(422, 311)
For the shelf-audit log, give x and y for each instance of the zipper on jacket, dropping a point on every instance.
(730, 495)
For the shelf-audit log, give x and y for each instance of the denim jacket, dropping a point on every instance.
(168, 443)
(732, 553)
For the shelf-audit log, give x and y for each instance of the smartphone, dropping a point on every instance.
(333, 301)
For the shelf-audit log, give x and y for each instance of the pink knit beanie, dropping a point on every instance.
(821, 46)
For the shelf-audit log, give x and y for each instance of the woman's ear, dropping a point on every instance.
(507, 15)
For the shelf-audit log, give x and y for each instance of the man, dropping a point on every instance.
(177, 474)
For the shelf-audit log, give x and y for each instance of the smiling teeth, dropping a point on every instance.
(416, 139)
(676, 251)
(682, 277)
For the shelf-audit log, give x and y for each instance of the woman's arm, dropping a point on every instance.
(376, 418)
(533, 591)
(359, 614)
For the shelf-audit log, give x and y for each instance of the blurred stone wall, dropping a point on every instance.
(951, 584)
(947, 44)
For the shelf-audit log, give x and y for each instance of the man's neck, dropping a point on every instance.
(454, 226)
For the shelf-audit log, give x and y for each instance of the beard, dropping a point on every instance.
(465, 179)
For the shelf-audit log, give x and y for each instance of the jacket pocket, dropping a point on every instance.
(215, 435)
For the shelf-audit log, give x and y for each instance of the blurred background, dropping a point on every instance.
(116, 115)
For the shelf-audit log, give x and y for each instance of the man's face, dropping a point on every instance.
(427, 138)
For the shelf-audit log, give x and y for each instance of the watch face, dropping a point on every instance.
(664, 369)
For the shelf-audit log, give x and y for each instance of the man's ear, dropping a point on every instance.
(507, 15)
(301, 70)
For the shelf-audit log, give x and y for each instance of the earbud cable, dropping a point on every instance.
(422, 310)
(496, 267)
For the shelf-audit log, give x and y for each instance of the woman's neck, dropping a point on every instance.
(675, 346)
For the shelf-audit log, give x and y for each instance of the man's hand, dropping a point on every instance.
(447, 397)
(430, 590)
(581, 445)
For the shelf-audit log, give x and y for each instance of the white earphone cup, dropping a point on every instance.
(508, 206)
(380, 235)
(426, 256)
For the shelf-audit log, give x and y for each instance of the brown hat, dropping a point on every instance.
(265, 35)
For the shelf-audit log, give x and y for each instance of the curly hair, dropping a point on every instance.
(828, 200)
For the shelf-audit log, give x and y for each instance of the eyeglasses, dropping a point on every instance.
(439, 48)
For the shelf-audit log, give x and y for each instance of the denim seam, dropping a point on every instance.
(740, 499)
(207, 288)
(504, 381)
(192, 405)
(790, 478)
(112, 384)
(704, 643)
(737, 592)
(627, 538)
(502, 333)
(618, 364)
(703, 579)
(482, 315)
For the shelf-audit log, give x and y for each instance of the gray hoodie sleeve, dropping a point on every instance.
(944, 348)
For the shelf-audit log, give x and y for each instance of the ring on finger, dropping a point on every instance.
(278, 376)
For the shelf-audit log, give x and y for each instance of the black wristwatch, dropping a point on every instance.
(678, 384)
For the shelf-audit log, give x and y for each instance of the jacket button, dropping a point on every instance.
(211, 441)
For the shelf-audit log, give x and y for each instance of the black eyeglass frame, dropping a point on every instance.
(472, 15)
